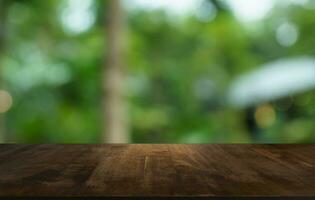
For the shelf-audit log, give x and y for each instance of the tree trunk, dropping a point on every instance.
(115, 126)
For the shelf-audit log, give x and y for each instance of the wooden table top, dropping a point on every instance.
(157, 170)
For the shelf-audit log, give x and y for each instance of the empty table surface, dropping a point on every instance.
(159, 170)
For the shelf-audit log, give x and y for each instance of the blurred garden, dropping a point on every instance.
(157, 71)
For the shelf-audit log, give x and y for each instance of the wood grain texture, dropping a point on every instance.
(157, 170)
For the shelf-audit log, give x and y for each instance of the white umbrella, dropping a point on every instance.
(272, 81)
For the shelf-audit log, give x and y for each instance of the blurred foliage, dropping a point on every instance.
(178, 72)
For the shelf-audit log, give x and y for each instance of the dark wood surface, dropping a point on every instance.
(157, 170)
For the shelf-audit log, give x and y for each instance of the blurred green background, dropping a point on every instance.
(186, 71)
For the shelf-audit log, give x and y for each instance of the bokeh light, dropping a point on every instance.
(5, 101)
(78, 16)
(287, 34)
(265, 116)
